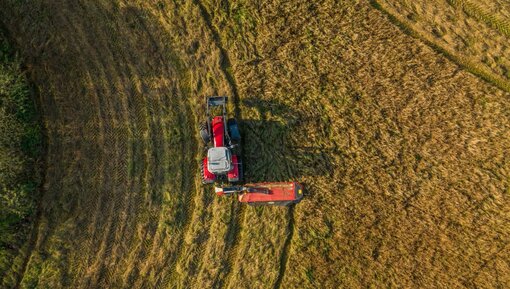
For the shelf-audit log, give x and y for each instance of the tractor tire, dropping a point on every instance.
(204, 133)
(233, 130)
(202, 175)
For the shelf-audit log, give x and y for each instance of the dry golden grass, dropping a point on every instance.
(476, 33)
(404, 154)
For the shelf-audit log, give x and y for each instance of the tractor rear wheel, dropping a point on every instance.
(204, 133)
(202, 175)
(233, 130)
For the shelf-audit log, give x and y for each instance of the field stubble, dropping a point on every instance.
(474, 33)
(404, 155)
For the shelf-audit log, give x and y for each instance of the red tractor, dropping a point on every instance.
(222, 163)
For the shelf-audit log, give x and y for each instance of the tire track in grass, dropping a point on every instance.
(157, 132)
(150, 230)
(35, 232)
(131, 197)
(183, 112)
(188, 184)
(237, 209)
(200, 198)
(284, 257)
(111, 207)
(96, 206)
(120, 204)
(140, 186)
(154, 211)
(118, 201)
(153, 219)
(118, 213)
(100, 173)
(137, 105)
(157, 219)
(99, 204)
(144, 251)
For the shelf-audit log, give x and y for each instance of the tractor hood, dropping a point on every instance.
(219, 160)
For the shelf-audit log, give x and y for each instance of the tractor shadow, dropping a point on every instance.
(275, 148)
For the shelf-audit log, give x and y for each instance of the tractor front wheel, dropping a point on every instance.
(204, 133)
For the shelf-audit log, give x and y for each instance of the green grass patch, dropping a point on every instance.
(20, 149)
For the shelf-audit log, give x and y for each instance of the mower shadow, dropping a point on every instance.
(273, 147)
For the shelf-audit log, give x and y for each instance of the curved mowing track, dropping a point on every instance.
(130, 129)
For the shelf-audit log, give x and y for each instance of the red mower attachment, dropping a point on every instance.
(277, 194)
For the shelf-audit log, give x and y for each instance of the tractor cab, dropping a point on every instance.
(219, 160)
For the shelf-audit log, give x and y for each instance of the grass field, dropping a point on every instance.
(473, 33)
(403, 152)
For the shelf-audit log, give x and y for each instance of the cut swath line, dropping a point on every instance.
(120, 174)
(471, 67)
(154, 217)
(123, 139)
(284, 257)
(183, 111)
(478, 13)
(192, 186)
(234, 227)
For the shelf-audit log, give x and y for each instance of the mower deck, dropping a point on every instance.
(278, 194)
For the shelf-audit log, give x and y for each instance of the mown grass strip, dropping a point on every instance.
(238, 211)
(461, 61)
(286, 249)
